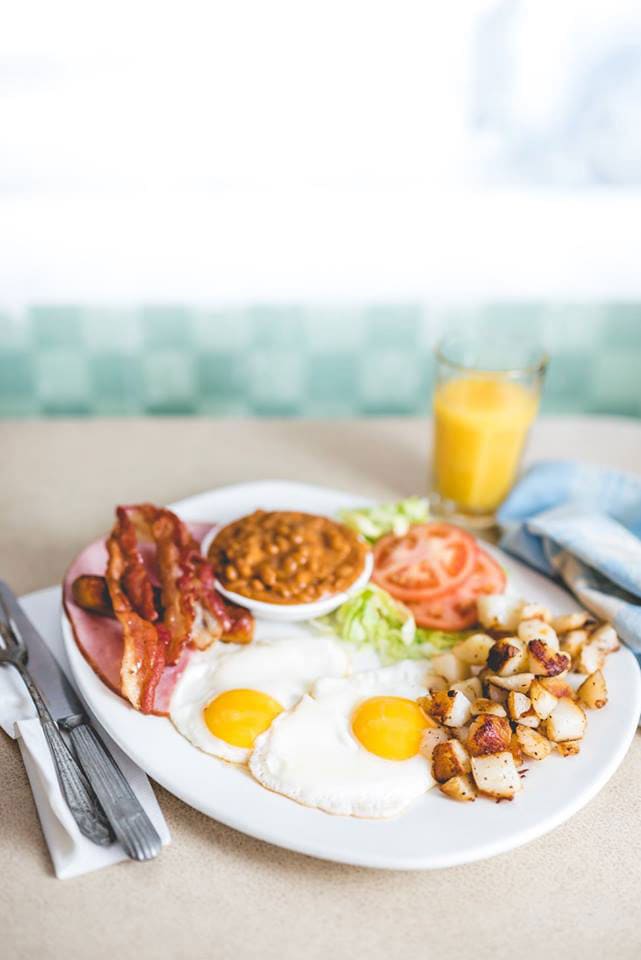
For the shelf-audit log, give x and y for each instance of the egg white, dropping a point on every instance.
(284, 669)
(311, 755)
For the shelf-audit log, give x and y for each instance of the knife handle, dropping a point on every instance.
(132, 826)
(77, 792)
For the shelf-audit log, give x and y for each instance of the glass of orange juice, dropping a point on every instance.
(486, 397)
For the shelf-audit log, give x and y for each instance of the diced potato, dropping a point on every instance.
(472, 688)
(449, 760)
(474, 650)
(461, 788)
(566, 722)
(569, 748)
(517, 704)
(532, 743)
(484, 705)
(543, 702)
(435, 683)
(545, 661)
(515, 750)
(507, 656)
(535, 611)
(572, 641)
(461, 733)
(450, 667)
(520, 682)
(571, 621)
(488, 734)
(497, 611)
(558, 686)
(496, 775)
(451, 708)
(431, 738)
(529, 630)
(530, 719)
(590, 659)
(605, 637)
(593, 692)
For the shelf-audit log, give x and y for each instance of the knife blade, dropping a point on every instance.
(130, 823)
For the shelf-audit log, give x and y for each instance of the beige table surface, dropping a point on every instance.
(214, 892)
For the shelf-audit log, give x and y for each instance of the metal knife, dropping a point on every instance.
(130, 823)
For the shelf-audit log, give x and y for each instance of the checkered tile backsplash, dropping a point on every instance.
(295, 361)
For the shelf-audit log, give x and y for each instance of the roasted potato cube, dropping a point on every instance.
(569, 748)
(545, 661)
(472, 688)
(431, 738)
(566, 722)
(590, 659)
(496, 775)
(535, 611)
(543, 702)
(520, 682)
(529, 630)
(451, 708)
(435, 683)
(530, 719)
(461, 733)
(593, 692)
(450, 667)
(91, 593)
(484, 705)
(474, 650)
(515, 750)
(507, 656)
(572, 641)
(461, 788)
(572, 621)
(532, 743)
(497, 611)
(558, 686)
(488, 734)
(517, 704)
(449, 760)
(605, 637)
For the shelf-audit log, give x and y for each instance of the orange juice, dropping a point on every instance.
(481, 422)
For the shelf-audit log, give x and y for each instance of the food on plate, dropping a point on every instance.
(287, 557)
(372, 617)
(353, 746)
(160, 590)
(439, 571)
(510, 699)
(227, 696)
(373, 522)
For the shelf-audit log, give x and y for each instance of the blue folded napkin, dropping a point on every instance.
(582, 524)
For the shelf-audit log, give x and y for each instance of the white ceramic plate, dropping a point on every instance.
(434, 832)
(292, 612)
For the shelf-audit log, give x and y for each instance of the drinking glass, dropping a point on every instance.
(485, 400)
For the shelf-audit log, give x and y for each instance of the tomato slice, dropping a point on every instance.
(430, 560)
(457, 610)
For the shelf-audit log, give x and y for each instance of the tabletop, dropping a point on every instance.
(215, 891)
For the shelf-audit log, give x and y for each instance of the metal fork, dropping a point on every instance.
(80, 797)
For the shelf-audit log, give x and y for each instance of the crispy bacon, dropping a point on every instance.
(189, 612)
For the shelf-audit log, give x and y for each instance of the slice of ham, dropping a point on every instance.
(100, 638)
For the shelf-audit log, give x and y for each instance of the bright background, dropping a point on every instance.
(277, 207)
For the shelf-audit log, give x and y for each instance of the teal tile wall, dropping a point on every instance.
(295, 360)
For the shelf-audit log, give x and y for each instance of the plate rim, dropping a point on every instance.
(351, 856)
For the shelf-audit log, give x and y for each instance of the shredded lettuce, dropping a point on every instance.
(373, 618)
(373, 522)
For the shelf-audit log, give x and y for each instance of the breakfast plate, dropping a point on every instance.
(432, 833)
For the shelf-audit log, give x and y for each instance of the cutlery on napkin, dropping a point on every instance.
(582, 524)
(72, 854)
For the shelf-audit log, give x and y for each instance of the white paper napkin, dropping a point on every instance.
(71, 853)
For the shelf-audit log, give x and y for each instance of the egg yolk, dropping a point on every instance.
(390, 727)
(239, 716)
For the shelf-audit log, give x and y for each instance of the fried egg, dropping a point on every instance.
(228, 695)
(352, 746)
